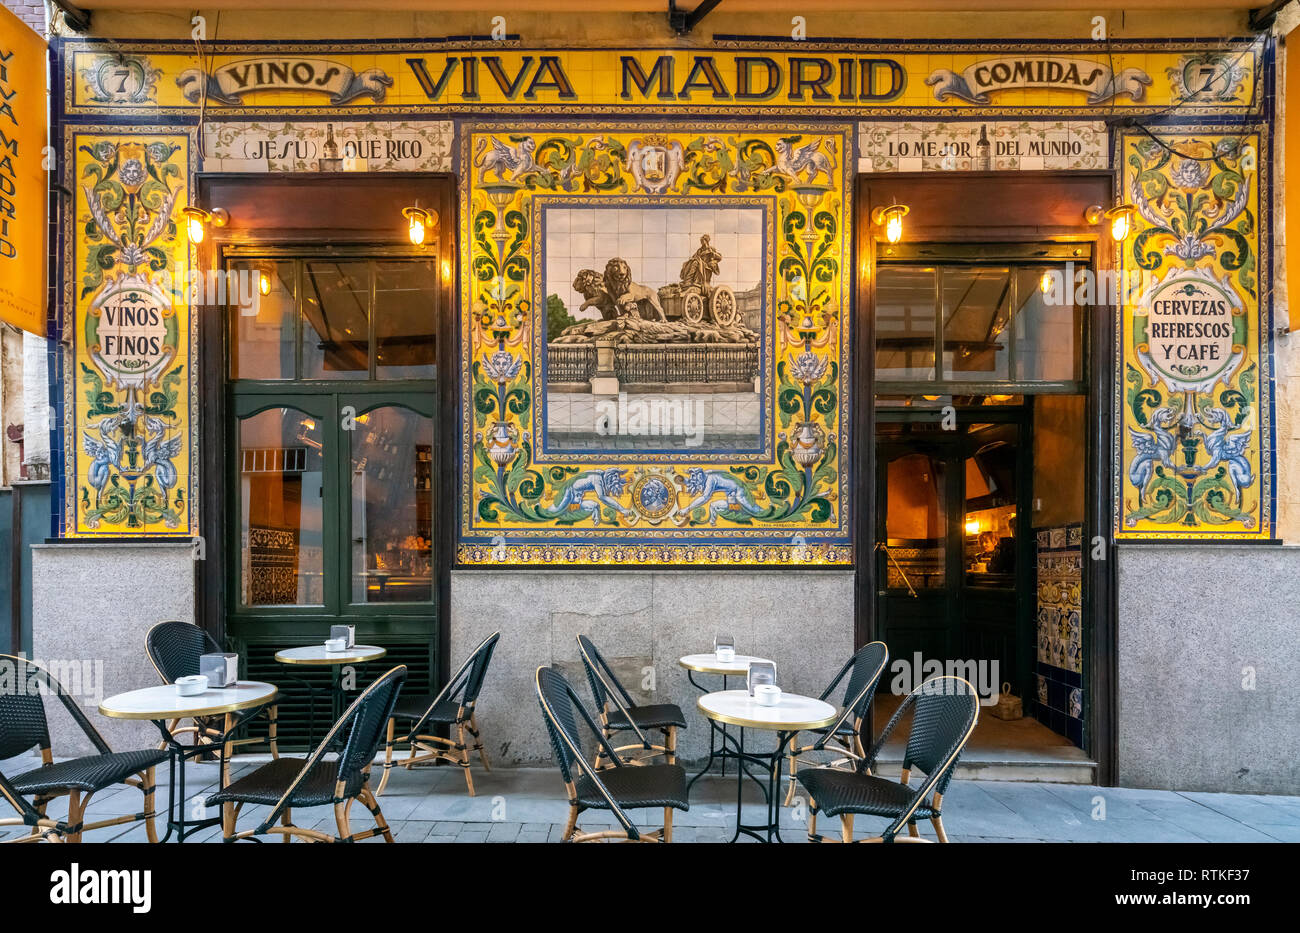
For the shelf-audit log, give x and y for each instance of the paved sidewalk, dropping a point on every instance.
(528, 805)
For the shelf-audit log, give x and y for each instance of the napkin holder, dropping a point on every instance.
(347, 632)
(760, 672)
(221, 669)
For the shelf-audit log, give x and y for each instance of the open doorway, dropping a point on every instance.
(984, 461)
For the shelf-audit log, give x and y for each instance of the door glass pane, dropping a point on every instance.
(336, 320)
(990, 519)
(262, 326)
(904, 323)
(281, 482)
(392, 507)
(1047, 328)
(916, 522)
(405, 313)
(976, 310)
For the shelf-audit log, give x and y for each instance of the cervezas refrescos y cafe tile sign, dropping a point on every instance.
(729, 78)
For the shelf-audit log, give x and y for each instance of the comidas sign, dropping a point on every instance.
(22, 175)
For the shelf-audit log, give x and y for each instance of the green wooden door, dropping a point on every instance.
(333, 510)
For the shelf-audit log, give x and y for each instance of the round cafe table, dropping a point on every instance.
(162, 704)
(317, 656)
(791, 715)
(708, 663)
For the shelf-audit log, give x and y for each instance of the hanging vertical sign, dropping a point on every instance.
(22, 174)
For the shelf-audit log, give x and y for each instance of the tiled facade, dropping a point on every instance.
(1059, 667)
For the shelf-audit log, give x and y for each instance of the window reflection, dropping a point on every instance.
(281, 479)
(905, 323)
(976, 308)
(336, 320)
(916, 522)
(392, 507)
(405, 317)
(262, 326)
(990, 516)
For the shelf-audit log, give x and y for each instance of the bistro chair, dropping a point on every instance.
(23, 726)
(617, 788)
(453, 706)
(866, 666)
(174, 649)
(288, 783)
(627, 715)
(944, 710)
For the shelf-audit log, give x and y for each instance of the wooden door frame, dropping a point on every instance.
(316, 210)
(1027, 207)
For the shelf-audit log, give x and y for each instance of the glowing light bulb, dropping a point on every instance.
(894, 228)
(1119, 226)
(195, 229)
(1045, 283)
(415, 229)
(264, 283)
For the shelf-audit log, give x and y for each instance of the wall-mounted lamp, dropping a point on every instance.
(891, 218)
(263, 284)
(1120, 217)
(1121, 220)
(419, 222)
(197, 221)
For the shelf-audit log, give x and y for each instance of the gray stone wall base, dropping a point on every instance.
(1192, 620)
(802, 619)
(92, 603)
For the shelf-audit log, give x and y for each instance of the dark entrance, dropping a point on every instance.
(950, 558)
(987, 445)
(331, 435)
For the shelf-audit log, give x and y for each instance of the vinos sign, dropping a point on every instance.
(131, 331)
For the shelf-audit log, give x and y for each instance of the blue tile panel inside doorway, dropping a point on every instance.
(1059, 697)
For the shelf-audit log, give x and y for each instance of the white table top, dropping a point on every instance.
(163, 702)
(792, 713)
(708, 663)
(316, 654)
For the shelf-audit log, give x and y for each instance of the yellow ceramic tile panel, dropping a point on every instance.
(624, 192)
(1194, 393)
(129, 446)
(506, 77)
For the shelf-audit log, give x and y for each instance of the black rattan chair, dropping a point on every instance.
(289, 783)
(944, 711)
(617, 788)
(23, 726)
(174, 649)
(452, 707)
(626, 715)
(864, 670)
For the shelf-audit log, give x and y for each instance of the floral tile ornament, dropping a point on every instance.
(1076, 703)
(524, 503)
(130, 445)
(1194, 440)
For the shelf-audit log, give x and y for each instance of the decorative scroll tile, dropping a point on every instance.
(276, 146)
(130, 403)
(982, 145)
(1195, 455)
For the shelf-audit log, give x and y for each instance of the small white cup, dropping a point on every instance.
(726, 655)
(192, 685)
(335, 645)
(767, 694)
